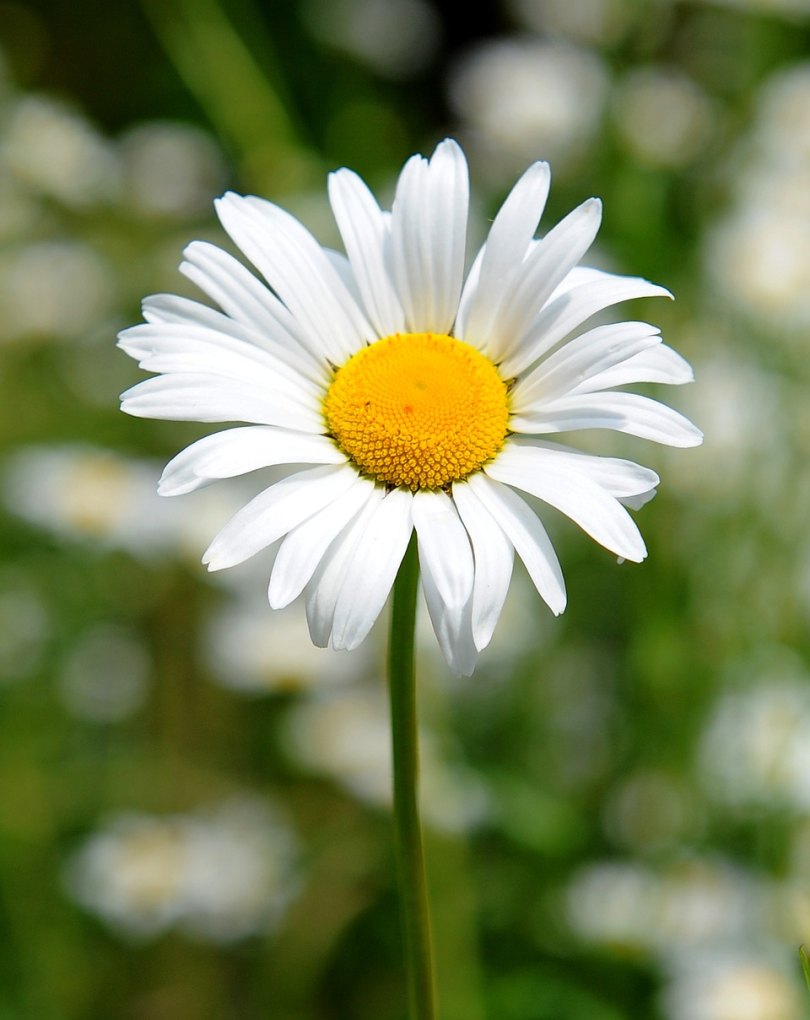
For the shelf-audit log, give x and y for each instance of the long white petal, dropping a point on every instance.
(444, 547)
(276, 511)
(366, 234)
(452, 626)
(658, 364)
(505, 248)
(622, 412)
(203, 397)
(428, 237)
(240, 450)
(371, 569)
(621, 478)
(522, 527)
(571, 309)
(571, 492)
(248, 301)
(322, 590)
(190, 347)
(303, 548)
(577, 361)
(546, 265)
(295, 266)
(494, 557)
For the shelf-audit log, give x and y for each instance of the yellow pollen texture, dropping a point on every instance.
(418, 410)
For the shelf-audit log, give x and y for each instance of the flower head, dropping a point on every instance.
(399, 394)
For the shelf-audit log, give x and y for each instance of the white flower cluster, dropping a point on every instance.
(218, 875)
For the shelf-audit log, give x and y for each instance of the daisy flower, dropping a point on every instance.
(399, 394)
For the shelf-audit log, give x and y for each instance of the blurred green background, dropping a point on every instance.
(194, 801)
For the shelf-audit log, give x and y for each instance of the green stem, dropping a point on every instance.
(407, 827)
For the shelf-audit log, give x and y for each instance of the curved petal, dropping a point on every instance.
(323, 588)
(548, 262)
(494, 558)
(276, 511)
(621, 478)
(576, 362)
(571, 492)
(452, 626)
(371, 569)
(623, 412)
(444, 547)
(366, 235)
(658, 364)
(190, 347)
(296, 267)
(303, 548)
(564, 313)
(198, 396)
(428, 237)
(522, 527)
(240, 450)
(507, 243)
(249, 302)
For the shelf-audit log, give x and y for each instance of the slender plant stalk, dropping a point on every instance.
(407, 827)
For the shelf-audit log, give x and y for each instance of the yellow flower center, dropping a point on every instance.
(419, 410)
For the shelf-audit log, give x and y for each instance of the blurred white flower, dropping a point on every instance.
(345, 735)
(170, 169)
(53, 289)
(663, 117)
(105, 675)
(256, 652)
(746, 455)
(520, 97)
(397, 38)
(758, 254)
(755, 751)
(597, 22)
(613, 903)
(220, 874)
(728, 987)
(92, 494)
(693, 905)
(56, 151)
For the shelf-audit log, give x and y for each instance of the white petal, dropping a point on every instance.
(191, 347)
(295, 266)
(249, 302)
(522, 527)
(533, 284)
(570, 309)
(621, 478)
(623, 412)
(240, 450)
(276, 511)
(444, 547)
(323, 588)
(577, 361)
(494, 556)
(506, 245)
(658, 364)
(366, 234)
(303, 548)
(371, 569)
(204, 397)
(428, 237)
(571, 492)
(452, 626)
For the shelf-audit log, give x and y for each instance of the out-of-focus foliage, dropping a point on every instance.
(194, 811)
